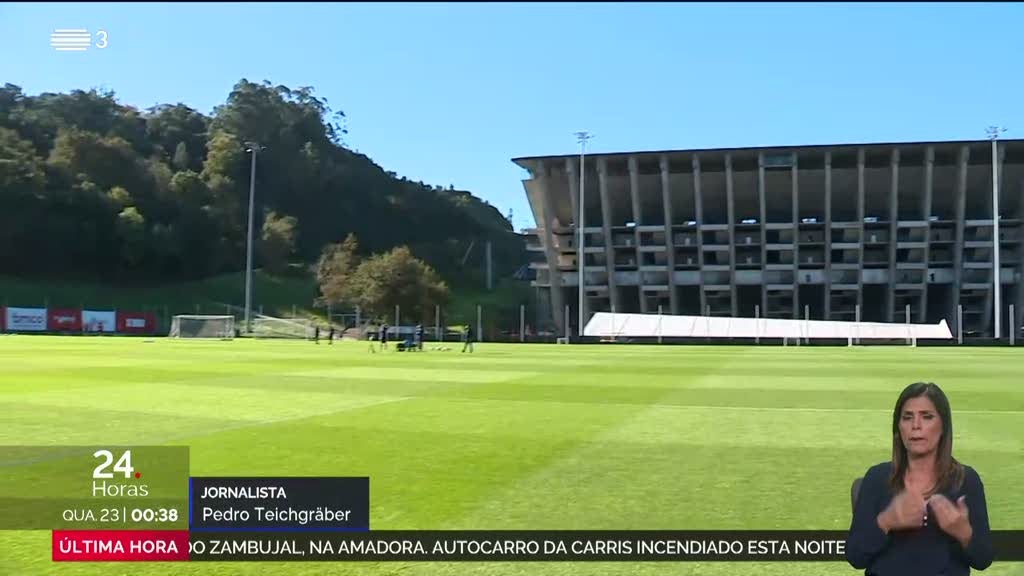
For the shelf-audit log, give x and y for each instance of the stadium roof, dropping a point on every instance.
(519, 159)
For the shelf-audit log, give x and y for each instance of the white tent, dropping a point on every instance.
(606, 324)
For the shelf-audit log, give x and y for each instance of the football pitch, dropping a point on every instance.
(517, 436)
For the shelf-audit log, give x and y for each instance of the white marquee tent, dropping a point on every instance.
(607, 324)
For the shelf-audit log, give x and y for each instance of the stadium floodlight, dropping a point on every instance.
(582, 138)
(254, 148)
(993, 135)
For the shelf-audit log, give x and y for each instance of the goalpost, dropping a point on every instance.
(263, 326)
(294, 328)
(202, 326)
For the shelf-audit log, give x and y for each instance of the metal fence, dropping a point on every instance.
(523, 323)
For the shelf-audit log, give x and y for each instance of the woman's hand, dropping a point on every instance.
(907, 510)
(952, 518)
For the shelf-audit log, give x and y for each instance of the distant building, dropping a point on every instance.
(784, 231)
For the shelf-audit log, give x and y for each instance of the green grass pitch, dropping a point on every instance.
(517, 436)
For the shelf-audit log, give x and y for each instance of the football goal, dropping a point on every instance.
(294, 328)
(200, 326)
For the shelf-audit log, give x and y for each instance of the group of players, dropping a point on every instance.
(381, 335)
(414, 343)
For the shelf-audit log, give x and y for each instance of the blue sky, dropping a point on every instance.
(449, 93)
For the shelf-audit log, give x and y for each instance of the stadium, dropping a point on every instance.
(853, 232)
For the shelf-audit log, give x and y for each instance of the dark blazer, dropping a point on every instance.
(925, 551)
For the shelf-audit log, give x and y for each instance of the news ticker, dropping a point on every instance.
(140, 503)
(473, 546)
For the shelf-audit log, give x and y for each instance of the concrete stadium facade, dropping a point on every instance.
(784, 232)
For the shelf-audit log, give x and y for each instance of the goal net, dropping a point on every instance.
(295, 328)
(198, 326)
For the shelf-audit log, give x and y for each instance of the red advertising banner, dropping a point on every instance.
(120, 545)
(64, 320)
(137, 322)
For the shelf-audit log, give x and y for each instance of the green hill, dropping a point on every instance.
(95, 190)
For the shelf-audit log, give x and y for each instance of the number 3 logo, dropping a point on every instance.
(102, 42)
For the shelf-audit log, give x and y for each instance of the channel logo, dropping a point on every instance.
(70, 39)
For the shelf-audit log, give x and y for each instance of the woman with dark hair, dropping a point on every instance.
(924, 512)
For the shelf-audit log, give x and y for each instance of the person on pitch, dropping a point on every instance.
(371, 335)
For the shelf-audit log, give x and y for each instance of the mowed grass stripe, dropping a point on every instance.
(41, 424)
(205, 401)
(412, 382)
(414, 374)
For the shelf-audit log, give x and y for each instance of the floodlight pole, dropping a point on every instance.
(254, 148)
(582, 138)
(993, 134)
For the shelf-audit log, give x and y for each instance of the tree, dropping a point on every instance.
(106, 161)
(180, 160)
(335, 269)
(277, 241)
(131, 229)
(11, 97)
(168, 126)
(119, 197)
(21, 171)
(22, 188)
(190, 207)
(397, 278)
(187, 190)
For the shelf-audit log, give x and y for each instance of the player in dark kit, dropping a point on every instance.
(330, 335)
(371, 336)
(419, 336)
(316, 334)
(384, 336)
(467, 338)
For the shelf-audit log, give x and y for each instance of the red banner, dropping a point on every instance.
(64, 320)
(120, 545)
(138, 322)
